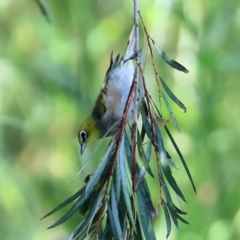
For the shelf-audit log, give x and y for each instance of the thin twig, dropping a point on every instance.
(134, 124)
(151, 53)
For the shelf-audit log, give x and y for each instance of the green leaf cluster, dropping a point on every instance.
(116, 201)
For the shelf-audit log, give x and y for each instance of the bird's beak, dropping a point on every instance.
(83, 146)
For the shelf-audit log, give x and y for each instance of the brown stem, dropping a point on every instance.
(151, 53)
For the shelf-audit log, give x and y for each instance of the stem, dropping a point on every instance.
(151, 53)
(134, 124)
(136, 31)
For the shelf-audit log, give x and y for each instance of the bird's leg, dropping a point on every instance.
(134, 56)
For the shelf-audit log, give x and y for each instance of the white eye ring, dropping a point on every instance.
(83, 134)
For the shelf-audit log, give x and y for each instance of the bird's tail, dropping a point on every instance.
(128, 55)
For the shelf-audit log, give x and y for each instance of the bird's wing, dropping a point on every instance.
(100, 105)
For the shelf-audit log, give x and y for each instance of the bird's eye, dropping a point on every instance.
(83, 134)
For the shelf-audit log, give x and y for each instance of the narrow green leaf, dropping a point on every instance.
(115, 223)
(170, 161)
(173, 216)
(172, 182)
(124, 181)
(171, 95)
(181, 219)
(66, 202)
(125, 226)
(169, 202)
(140, 176)
(138, 233)
(102, 236)
(149, 150)
(160, 144)
(44, 10)
(169, 60)
(166, 192)
(144, 219)
(171, 112)
(181, 157)
(165, 164)
(80, 225)
(143, 132)
(147, 198)
(143, 170)
(95, 207)
(142, 155)
(93, 210)
(128, 151)
(72, 210)
(146, 125)
(90, 187)
(179, 211)
(117, 180)
(167, 218)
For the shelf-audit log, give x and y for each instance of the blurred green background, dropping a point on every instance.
(50, 75)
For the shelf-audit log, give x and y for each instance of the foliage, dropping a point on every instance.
(51, 75)
(116, 200)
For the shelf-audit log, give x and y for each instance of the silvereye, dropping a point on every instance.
(108, 110)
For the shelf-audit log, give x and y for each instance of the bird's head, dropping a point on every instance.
(88, 132)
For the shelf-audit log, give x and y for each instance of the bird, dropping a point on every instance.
(108, 110)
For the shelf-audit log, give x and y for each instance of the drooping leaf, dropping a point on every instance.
(171, 112)
(147, 198)
(86, 223)
(72, 210)
(175, 216)
(179, 211)
(165, 164)
(169, 60)
(166, 192)
(181, 158)
(128, 151)
(170, 161)
(169, 202)
(167, 219)
(90, 187)
(144, 219)
(148, 151)
(172, 182)
(143, 132)
(44, 10)
(171, 95)
(117, 180)
(124, 181)
(181, 218)
(114, 216)
(142, 155)
(146, 125)
(66, 202)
